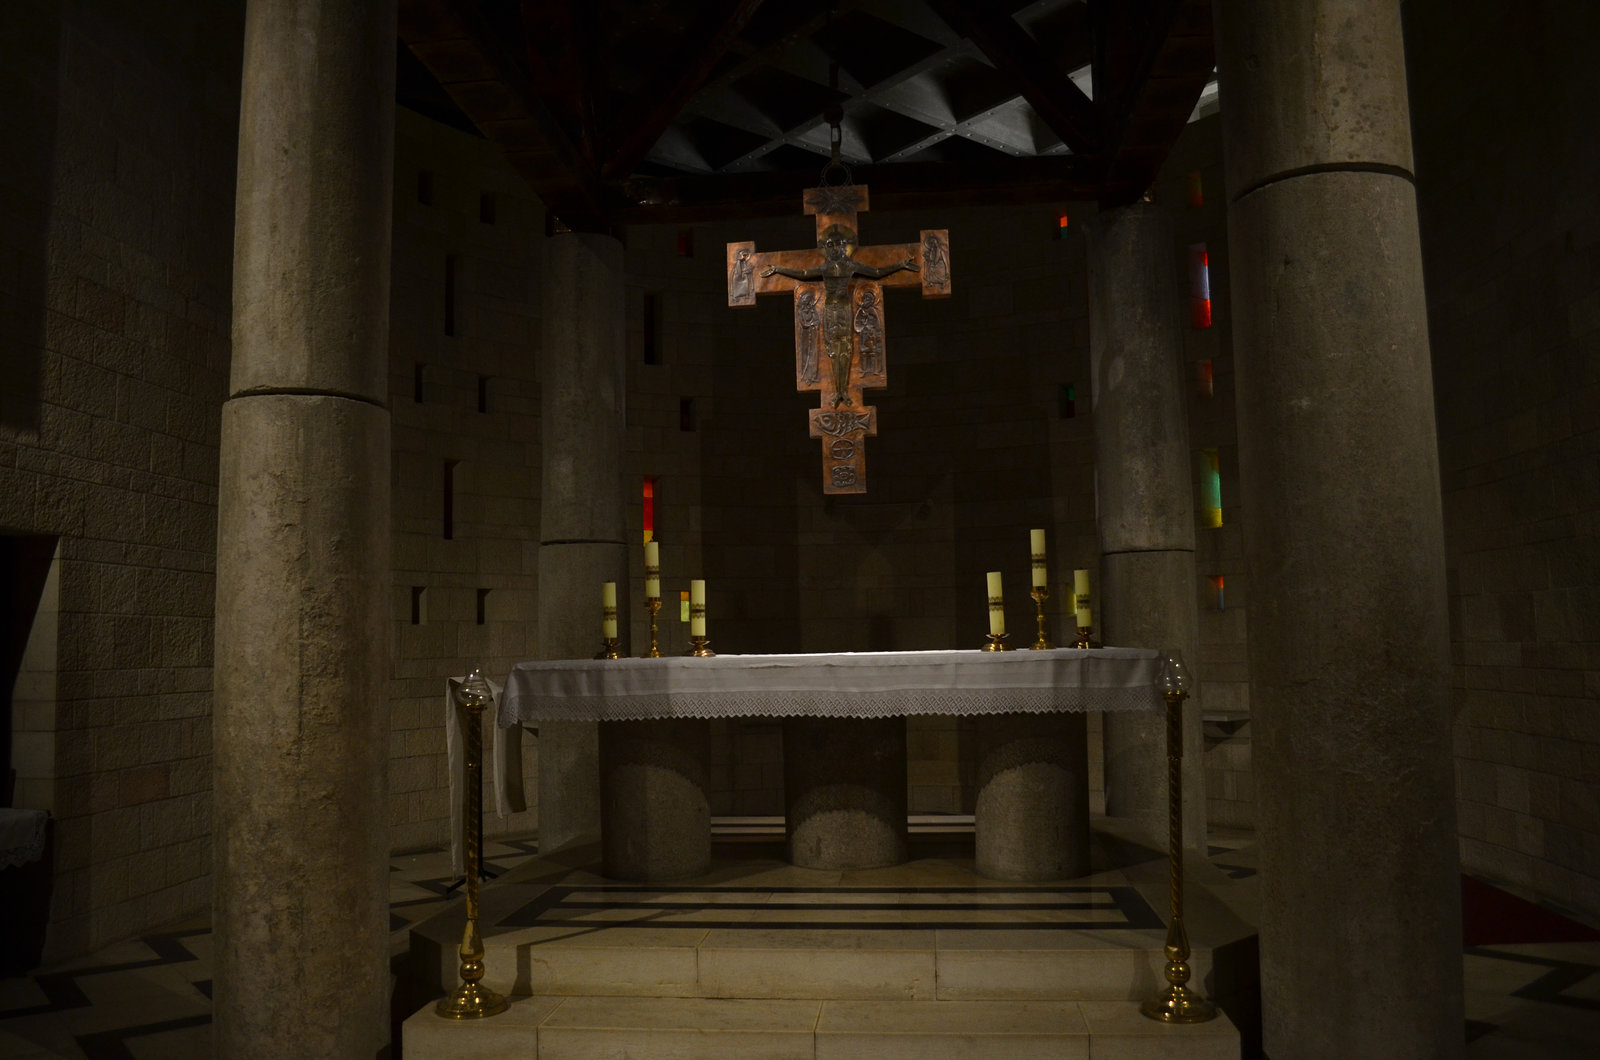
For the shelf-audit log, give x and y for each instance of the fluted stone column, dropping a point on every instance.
(582, 525)
(1144, 488)
(302, 636)
(1360, 895)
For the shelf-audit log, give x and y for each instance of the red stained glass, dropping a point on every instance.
(1199, 287)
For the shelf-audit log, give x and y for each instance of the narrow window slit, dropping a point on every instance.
(450, 294)
(1199, 287)
(450, 499)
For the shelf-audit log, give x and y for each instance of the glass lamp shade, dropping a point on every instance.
(474, 691)
(1174, 675)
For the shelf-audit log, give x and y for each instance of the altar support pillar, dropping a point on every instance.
(582, 523)
(1145, 498)
(654, 814)
(844, 791)
(1349, 641)
(1032, 814)
(300, 724)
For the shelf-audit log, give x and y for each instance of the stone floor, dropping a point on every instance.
(150, 997)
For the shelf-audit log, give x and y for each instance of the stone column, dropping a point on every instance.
(582, 526)
(1032, 813)
(302, 636)
(1144, 487)
(1349, 644)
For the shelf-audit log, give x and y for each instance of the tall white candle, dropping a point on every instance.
(1036, 546)
(652, 569)
(997, 605)
(608, 610)
(1080, 590)
(697, 607)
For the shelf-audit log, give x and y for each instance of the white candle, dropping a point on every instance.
(652, 569)
(997, 605)
(1080, 590)
(1036, 545)
(697, 607)
(608, 610)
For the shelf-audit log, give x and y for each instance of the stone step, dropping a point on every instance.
(660, 1028)
(1069, 942)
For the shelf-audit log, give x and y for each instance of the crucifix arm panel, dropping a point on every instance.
(751, 274)
(894, 265)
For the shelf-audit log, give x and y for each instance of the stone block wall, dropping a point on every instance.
(115, 265)
(465, 412)
(1506, 171)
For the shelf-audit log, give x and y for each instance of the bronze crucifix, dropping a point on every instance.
(838, 315)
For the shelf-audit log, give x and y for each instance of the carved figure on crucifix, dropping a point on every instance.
(810, 332)
(937, 260)
(848, 324)
(743, 272)
(869, 332)
(839, 267)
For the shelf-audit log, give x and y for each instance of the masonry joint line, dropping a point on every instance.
(1383, 168)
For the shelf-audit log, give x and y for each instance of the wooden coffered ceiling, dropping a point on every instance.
(635, 111)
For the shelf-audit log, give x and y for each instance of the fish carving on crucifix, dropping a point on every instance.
(839, 344)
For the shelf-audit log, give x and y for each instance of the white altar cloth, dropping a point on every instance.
(843, 685)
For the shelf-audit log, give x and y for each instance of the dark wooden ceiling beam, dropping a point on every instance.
(561, 44)
(1062, 105)
(752, 59)
(1153, 58)
(898, 186)
(471, 63)
(710, 36)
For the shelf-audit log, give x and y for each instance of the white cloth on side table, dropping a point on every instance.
(21, 837)
(505, 751)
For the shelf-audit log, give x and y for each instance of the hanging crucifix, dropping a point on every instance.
(838, 317)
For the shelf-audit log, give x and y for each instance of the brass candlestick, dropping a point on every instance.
(1083, 638)
(609, 649)
(653, 605)
(1177, 1003)
(472, 1000)
(997, 642)
(1039, 594)
(699, 646)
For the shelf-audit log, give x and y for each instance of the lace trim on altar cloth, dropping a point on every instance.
(816, 704)
(845, 685)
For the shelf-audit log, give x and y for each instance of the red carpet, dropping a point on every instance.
(1491, 917)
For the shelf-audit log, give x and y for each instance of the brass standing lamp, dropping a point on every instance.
(471, 999)
(1177, 1003)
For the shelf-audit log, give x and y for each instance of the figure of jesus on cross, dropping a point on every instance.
(851, 322)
